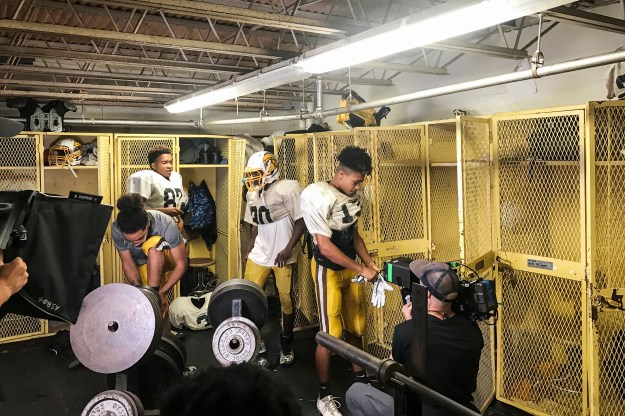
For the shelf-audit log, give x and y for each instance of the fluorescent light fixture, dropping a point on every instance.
(416, 31)
(233, 89)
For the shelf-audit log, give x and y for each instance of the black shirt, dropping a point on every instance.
(453, 358)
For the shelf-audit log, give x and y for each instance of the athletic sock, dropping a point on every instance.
(323, 390)
(360, 377)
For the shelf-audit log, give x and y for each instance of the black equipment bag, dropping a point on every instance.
(63, 238)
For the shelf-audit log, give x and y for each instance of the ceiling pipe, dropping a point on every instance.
(544, 71)
(103, 122)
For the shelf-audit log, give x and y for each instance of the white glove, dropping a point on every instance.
(380, 287)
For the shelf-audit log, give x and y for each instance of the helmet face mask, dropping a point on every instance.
(65, 152)
(253, 179)
(261, 170)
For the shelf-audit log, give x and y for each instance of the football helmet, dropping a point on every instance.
(261, 169)
(65, 151)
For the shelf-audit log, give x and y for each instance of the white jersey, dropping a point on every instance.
(326, 209)
(158, 191)
(329, 212)
(274, 211)
(190, 312)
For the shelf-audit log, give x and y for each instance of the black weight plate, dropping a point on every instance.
(175, 349)
(154, 377)
(253, 299)
(155, 302)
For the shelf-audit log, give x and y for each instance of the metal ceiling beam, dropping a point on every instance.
(29, 52)
(587, 19)
(232, 14)
(18, 69)
(357, 80)
(122, 15)
(39, 70)
(97, 87)
(418, 69)
(495, 51)
(139, 39)
(75, 97)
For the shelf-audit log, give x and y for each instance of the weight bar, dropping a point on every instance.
(388, 371)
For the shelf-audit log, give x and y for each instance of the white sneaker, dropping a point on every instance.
(262, 349)
(328, 406)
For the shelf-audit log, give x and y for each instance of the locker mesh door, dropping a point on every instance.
(19, 170)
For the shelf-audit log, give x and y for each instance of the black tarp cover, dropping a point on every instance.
(63, 240)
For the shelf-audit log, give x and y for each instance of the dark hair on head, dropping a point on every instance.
(241, 390)
(132, 215)
(156, 152)
(356, 159)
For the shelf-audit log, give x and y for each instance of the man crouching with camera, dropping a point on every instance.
(454, 345)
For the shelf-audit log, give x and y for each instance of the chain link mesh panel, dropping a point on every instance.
(19, 171)
(398, 181)
(476, 184)
(540, 343)
(610, 326)
(105, 182)
(295, 154)
(539, 181)
(444, 222)
(608, 271)
(381, 322)
(222, 272)
(236, 161)
(610, 196)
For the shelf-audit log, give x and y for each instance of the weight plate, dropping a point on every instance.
(175, 349)
(116, 327)
(253, 299)
(154, 377)
(152, 295)
(113, 402)
(236, 340)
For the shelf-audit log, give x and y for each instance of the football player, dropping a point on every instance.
(149, 245)
(273, 210)
(331, 210)
(160, 187)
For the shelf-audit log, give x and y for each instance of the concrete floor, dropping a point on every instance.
(36, 382)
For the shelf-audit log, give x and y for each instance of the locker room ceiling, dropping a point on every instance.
(145, 52)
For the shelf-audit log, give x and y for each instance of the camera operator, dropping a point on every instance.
(454, 345)
(13, 277)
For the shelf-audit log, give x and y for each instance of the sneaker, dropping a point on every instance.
(262, 349)
(189, 370)
(327, 406)
(286, 358)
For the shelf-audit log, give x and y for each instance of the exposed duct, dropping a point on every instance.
(544, 71)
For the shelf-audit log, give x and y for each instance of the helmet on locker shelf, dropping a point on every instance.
(65, 151)
(261, 169)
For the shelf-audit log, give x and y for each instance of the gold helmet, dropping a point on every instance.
(261, 169)
(65, 151)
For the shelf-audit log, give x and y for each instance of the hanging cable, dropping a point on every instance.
(538, 59)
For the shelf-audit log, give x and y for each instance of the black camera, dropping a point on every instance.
(476, 298)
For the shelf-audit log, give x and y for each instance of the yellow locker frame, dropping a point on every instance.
(605, 167)
(131, 156)
(539, 196)
(459, 193)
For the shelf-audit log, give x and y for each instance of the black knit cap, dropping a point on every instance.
(440, 280)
